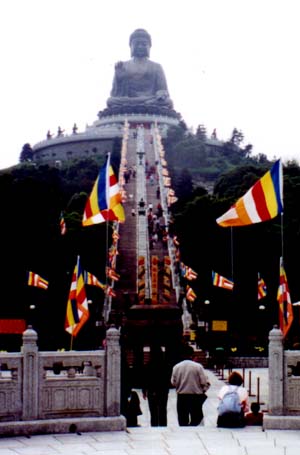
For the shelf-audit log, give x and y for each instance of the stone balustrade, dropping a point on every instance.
(284, 385)
(43, 392)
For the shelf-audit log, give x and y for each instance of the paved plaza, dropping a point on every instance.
(206, 439)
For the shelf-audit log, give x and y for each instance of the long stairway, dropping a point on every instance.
(145, 294)
(127, 258)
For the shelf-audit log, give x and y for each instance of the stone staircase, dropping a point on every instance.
(159, 314)
(127, 259)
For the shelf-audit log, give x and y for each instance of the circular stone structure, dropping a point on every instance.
(98, 139)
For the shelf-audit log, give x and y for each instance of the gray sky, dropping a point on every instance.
(228, 63)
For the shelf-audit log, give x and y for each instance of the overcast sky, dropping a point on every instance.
(229, 64)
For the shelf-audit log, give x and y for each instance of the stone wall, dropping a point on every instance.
(248, 362)
(56, 151)
(97, 140)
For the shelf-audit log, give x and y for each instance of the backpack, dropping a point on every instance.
(230, 403)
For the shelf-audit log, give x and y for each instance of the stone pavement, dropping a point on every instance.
(171, 440)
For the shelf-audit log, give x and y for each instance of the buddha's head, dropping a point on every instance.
(140, 43)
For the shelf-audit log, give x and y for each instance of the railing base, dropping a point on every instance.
(71, 425)
(281, 422)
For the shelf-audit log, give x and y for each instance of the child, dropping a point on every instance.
(133, 409)
(256, 416)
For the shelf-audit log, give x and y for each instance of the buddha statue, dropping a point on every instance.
(139, 84)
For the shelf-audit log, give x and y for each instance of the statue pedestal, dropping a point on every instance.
(136, 119)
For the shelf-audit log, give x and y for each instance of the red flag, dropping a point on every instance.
(285, 304)
(16, 326)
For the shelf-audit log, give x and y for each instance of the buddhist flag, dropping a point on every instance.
(104, 203)
(112, 274)
(115, 236)
(176, 241)
(190, 294)
(221, 281)
(261, 288)
(285, 304)
(33, 279)
(77, 306)
(62, 224)
(187, 272)
(91, 280)
(110, 292)
(262, 202)
(191, 274)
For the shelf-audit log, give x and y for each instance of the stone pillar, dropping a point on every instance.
(30, 374)
(113, 373)
(276, 372)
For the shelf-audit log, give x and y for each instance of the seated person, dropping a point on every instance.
(234, 403)
(255, 417)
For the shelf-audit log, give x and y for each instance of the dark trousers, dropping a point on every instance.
(158, 408)
(231, 420)
(189, 409)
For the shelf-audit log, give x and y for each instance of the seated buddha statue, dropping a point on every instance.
(139, 84)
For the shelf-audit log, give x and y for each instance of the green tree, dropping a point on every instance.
(237, 137)
(183, 185)
(236, 182)
(26, 154)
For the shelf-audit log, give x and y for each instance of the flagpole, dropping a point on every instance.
(231, 251)
(281, 223)
(106, 241)
(77, 265)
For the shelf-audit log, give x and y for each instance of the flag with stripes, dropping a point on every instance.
(104, 203)
(190, 274)
(110, 292)
(262, 202)
(77, 307)
(286, 315)
(261, 288)
(112, 274)
(33, 279)
(62, 224)
(222, 282)
(190, 294)
(92, 280)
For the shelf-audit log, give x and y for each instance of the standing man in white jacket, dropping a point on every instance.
(191, 382)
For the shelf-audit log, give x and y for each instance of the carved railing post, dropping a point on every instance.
(30, 374)
(276, 372)
(113, 372)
